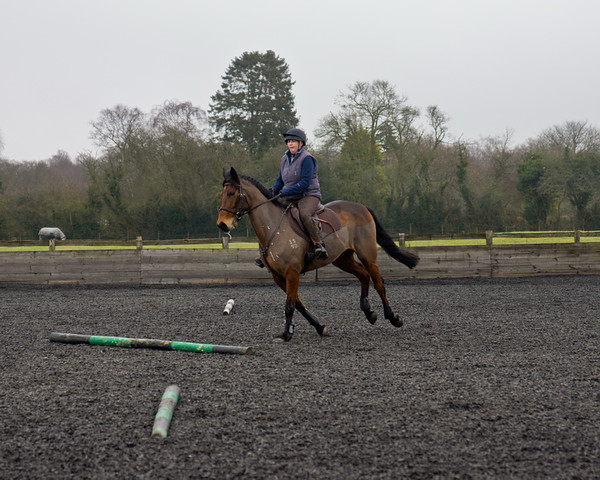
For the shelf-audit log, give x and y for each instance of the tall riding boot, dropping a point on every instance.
(315, 235)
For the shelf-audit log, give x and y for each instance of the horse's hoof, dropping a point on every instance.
(372, 318)
(324, 332)
(282, 338)
(396, 321)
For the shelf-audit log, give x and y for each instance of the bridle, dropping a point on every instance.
(238, 210)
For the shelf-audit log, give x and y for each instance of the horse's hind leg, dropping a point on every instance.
(347, 263)
(375, 274)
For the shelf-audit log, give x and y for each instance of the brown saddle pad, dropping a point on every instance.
(326, 218)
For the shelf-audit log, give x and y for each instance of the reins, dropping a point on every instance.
(263, 202)
(239, 213)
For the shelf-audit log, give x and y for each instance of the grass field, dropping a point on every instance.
(504, 240)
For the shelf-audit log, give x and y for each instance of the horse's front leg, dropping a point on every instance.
(288, 328)
(292, 281)
(321, 329)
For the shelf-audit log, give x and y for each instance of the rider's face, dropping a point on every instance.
(293, 146)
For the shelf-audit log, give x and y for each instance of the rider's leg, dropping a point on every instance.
(307, 207)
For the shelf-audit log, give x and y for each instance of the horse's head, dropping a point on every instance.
(233, 201)
(240, 195)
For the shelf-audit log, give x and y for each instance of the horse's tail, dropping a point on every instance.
(387, 243)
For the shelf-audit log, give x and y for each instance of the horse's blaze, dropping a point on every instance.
(226, 220)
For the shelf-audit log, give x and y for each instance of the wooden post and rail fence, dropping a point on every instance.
(186, 262)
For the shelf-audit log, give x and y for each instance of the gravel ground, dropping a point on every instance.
(488, 378)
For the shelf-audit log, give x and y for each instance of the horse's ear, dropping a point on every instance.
(231, 176)
(234, 176)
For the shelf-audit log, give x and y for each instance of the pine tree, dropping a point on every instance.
(255, 103)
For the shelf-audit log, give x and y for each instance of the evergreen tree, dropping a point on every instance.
(255, 103)
(537, 201)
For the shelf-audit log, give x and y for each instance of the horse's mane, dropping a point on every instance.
(265, 191)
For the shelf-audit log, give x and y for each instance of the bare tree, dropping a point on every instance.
(180, 117)
(438, 121)
(572, 136)
(118, 127)
(374, 107)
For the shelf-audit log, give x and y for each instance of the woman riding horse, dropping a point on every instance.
(352, 247)
(298, 182)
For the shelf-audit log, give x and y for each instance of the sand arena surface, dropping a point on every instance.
(487, 378)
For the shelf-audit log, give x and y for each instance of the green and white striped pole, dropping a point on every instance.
(147, 343)
(163, 417)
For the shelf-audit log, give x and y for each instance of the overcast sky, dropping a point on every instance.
(490, 65)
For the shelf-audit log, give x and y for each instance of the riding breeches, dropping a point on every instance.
(307, 206)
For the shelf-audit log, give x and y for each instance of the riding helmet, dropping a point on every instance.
(295, 134)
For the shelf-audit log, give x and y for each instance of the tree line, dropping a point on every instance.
(159, 173)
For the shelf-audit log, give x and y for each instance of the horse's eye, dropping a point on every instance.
(230, 194)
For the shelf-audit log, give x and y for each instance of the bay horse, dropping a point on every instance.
(286, 253)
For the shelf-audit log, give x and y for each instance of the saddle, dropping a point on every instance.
(327, 221)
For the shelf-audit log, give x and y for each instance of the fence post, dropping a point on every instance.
(577, 236)
(52, 244)
(138, 243)
(225, 242)
(402, 239)
(489, 238)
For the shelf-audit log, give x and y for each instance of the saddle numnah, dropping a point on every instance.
(326, 218)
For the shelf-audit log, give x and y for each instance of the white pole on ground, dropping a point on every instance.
(228, 306)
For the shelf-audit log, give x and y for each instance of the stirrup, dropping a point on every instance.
(320, 251)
